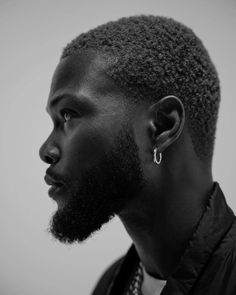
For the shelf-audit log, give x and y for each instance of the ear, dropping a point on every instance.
(166, 121)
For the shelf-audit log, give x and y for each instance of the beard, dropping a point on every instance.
(101, 192)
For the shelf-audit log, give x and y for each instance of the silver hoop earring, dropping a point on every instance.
(155, 157)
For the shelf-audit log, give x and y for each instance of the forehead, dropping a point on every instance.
(83, 74)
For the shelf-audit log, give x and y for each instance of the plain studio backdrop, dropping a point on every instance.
(32, 35)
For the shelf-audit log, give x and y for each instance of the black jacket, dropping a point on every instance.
(208, 265)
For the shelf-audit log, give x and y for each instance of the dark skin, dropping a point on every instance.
(163, 216)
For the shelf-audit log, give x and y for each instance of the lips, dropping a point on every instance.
(51, 181)
(57, 187)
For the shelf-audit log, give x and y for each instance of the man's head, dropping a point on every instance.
(127, 87)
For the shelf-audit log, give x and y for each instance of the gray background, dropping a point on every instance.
(32, 35)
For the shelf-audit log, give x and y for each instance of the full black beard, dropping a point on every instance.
(101, 192)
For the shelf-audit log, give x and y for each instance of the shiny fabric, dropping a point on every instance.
(208, 265)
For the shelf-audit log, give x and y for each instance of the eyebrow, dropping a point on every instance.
(70, 97)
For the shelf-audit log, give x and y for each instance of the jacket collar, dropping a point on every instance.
(213, 225)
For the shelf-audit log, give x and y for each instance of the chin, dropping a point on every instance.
(71, 228)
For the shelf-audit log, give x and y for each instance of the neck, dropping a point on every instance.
(168, 217)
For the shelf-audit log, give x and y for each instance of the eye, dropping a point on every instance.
(66, 114)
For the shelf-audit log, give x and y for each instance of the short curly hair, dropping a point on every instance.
(158, 56)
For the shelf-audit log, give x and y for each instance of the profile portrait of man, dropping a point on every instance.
(135, 103)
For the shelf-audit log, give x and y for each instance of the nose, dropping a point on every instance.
(49, 153)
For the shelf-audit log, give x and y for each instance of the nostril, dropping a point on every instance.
(48, 160)
(49, 154)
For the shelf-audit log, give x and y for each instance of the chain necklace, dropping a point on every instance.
(135, 286)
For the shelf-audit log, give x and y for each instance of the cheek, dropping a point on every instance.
(85, 146)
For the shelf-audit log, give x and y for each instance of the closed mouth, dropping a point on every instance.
(51, 181)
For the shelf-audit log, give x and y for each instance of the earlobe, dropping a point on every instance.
(166, 121)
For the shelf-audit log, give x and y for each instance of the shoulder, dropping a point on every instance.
(107, 277)
(219, 274)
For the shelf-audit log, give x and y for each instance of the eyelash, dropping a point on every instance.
(66, 111)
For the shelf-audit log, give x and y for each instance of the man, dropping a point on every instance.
(135, 104)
